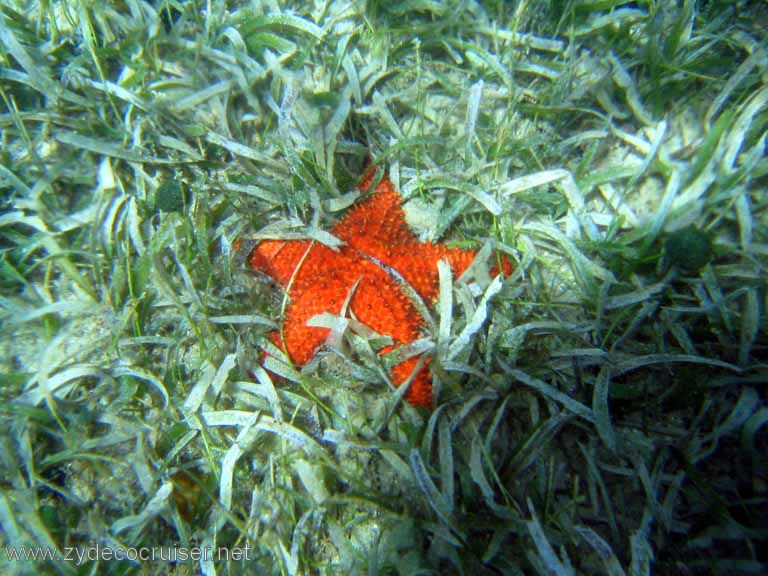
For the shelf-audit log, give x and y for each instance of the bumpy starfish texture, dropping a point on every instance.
(377, 242)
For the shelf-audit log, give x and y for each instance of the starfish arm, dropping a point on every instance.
(278, 258)
(418, 265)
(319, 284)
(377, 228)
(302, 341)
(377, 302)
(420, 392)
(385, 185)
(375, 224)
(380, 304)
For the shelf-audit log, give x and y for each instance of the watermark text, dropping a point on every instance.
(82, 554)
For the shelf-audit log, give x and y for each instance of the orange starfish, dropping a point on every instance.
(377, 241)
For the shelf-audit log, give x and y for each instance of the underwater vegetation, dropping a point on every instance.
(598, 407)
